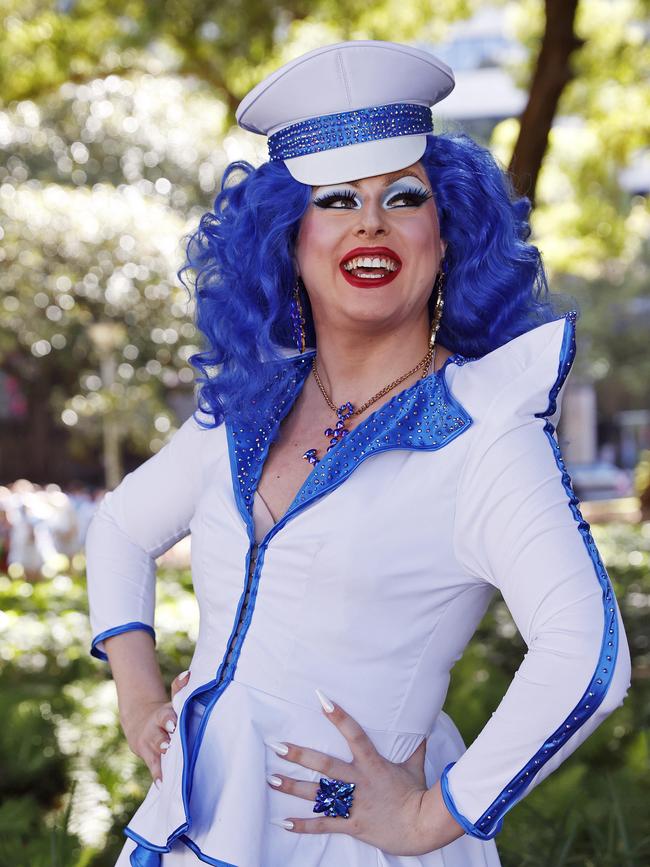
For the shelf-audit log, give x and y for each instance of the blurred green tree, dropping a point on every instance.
(94, 206)
(592, 215)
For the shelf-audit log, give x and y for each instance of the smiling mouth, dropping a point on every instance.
(370, 267)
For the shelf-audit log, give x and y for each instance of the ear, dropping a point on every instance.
(443, 248)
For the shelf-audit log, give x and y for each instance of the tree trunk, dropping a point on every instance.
(552, 74)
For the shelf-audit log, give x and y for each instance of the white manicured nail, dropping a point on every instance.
(170, 726)
(183, 674)
(328, 707)
(283, 823)
(280, 749)
(158, 783)
(273, 780)
(164, 745)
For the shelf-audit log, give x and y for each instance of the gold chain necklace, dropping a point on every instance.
(347, 411)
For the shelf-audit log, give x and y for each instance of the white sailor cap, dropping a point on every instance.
(349, 110)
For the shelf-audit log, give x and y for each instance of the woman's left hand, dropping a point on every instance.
(387, 810)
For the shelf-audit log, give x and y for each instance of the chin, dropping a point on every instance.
(367, 316)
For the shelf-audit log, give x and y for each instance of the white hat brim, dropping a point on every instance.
(344, 77)
(357, 161)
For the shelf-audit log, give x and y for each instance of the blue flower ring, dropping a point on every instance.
(334, 798)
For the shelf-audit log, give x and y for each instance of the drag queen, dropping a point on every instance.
(373, 457)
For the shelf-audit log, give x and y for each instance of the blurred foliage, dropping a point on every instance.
(642, 483)
(230, 44)
(594, 234)
(69, 783)
(92, 234)
(61, 748)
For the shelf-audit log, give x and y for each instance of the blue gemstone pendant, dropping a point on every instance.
(334, 434)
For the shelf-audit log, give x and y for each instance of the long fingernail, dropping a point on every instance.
(170, 726)
(328, 707)
(283, 823)
(273, 780)
(158, 783)
(183, 674)
(281, 749)
(164, 745)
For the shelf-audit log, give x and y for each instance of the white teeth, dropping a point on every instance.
(370, 262)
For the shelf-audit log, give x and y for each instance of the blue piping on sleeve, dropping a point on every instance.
(490, 822)
(117, 630)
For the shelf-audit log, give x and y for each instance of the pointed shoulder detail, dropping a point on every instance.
(524, 376)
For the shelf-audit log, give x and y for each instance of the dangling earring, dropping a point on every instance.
(440, 302)
(297, 317)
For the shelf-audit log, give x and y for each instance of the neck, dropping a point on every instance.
(355, 366)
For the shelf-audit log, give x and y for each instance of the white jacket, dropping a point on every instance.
(369, 587)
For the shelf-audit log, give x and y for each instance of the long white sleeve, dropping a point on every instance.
(148, 512)
(519, 528)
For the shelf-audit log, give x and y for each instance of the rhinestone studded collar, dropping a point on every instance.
(425, 416)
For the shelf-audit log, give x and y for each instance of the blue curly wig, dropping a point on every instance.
(241, 256)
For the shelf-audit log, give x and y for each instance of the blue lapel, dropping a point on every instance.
(423, 417)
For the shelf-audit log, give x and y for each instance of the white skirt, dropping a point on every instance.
(284, 848)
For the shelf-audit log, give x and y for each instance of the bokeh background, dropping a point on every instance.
(116, 122)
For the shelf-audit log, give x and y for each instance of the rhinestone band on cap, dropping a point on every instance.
(349, 127)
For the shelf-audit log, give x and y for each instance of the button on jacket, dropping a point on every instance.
(369, 587)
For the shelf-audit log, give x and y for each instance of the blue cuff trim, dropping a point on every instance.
(117, 630)
(462, 820)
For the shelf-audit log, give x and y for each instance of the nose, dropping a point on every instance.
(372, 220)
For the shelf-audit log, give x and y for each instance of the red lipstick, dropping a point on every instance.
(381, 252)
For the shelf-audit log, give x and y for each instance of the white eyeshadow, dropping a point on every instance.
(407, 182)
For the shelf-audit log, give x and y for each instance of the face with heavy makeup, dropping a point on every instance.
(368, 251)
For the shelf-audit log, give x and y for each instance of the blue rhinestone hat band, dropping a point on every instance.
(330, 131)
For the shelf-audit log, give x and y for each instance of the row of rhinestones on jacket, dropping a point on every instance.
(602, 677)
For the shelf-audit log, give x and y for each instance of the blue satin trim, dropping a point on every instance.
(203, 857)
(467, 826)
(490, 822)
(141, 857)
(117, 630)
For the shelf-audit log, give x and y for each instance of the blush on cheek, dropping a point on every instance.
(317, 244)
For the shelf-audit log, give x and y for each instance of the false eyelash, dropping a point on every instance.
(328, 198)
(419, 195)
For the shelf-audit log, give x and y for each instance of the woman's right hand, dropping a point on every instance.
(148, 726)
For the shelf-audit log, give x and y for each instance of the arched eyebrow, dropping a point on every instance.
(394, 176)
